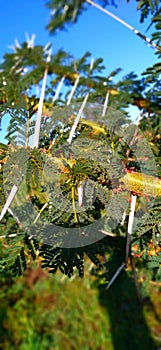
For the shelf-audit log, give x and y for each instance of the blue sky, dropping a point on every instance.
(94, 32)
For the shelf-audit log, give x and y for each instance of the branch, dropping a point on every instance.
(142, 36)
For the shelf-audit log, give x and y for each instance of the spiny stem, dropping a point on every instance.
(142, 36)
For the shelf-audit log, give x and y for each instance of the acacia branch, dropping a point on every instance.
(135, 31)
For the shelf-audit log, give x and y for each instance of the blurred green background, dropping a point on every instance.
(40, 311)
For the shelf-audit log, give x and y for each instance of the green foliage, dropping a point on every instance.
(48, 223)
(64, 259)
(21, 127)
(148, 7)
(66, 12)
(42, 188)
(56, 171)
(19, 71)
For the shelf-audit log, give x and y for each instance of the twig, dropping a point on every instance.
(130, 225)
(135, 31)
(115, 275)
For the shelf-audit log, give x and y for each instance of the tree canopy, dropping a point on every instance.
(90, 184)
